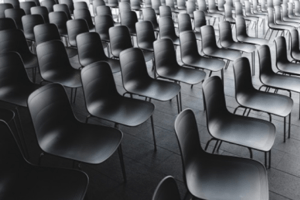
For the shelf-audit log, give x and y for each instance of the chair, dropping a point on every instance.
(63, 8)
(60, 20)
(297, 8)
(213, 11)
(69, 3)
(86, 15)
(103, 100)
(295, 51)
(26, 6)
(269, 79)
(119, 40)
(29, 22)
(228, 14)
(97, 3)
(167, 30)
(184, 24)
(3, 7)
(129, 19)
(165, 11)
(169, 68)
(55, 66)
(291, 13)
(227, 42)
(191, 57)
(155, 6)
(7, 23)
(279, 19)
(136, 6)
(14, 3)
(90, 50)
(114, 5)
(14, 40)
(136, 79)
(80, 5)
(285, 15)
(52, 116)
(102, 24)
(166, 190)
(181, 5)
(37, 2)
(219, 177)
(199, 21)
(16, 14)
(149, 15)
(34, 182)
(190, 8)
(250, 98)
(74, 28)
(48, 4)
(40, 10)
(258, 15)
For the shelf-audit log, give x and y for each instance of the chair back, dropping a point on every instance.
(102, 24)
(155, 5)
(48, 4)
(277, 10)
(129, 19)
(26, 5)
(208, 38)
(16, 14)
(63, 8)
(297, 7)
(284, 11)
(166, 28)
(240, 27)
(97, 3)
(212, 5)
(74, 28)
(3, 7)
(295, 41)
(265, 62)
(166, 190)
(271, 19)
(14, 3)
(228, 13)
(290, 9)
(145, 35)
(119, 39)
(202, 5)
(247, 8)
(149, 15)
(190, 8)
(238, 9)
(80, 5)
(181, 4)
(86, 15)
(184, 22)
(199, 20)
(7, 23)
(60, 20)
(69, 3)
(188, 44)
(103, 10)
(165, 11)
(40, 10)
(45, 32)
(225, 33)
(37, 2)
(281, 50)
(124, 7)
(29, 22)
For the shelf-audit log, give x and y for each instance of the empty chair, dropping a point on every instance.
(167, 30)
(191, 57)
(86, 15)
(97, 3)
(213, 11)
(69, 3)
(103, 100)
(181, 5)
(291, 14)
(136, 6)
(14, 40)
(60, 20)
(3, 7)
(190, 8)
(90, 50)
(29, 22)
(26, 6)
(295, 51)
(64, 8)
(80, 5)
(270, 79)
(219, 177)
(166, 190)
(285, 15)
(252, 99)
(184, 24)
(155, 5)
(136, 79)
(104, 10)
(169, 68)
(7, 23)
(280, 20)
(14, 3)
(55, 66)
(40, 10)
(165, 11)
(16, 14)
(199, 21)
(261, 16)
(102, 24)
(119, 40)
(297, 8)
(129, 19)
(124, 7)
(114, 5)
(37, 2)
(48, 4)
(149, 15)
(74, 28)
(33, 182)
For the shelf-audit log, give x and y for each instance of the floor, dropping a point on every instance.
(146, 167)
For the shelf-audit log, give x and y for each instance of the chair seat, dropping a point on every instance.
(288, 67)
(267, 102)
(204, 63)
(69, 78)
(248, 48)
(245, 131)
(154, 89)
(30, 61)
(174, 39)
(71, 52)
(281, 81)
(45, 183)
(74, 61)
(252, 40)
(148, 55)
(222, 53)
(227, 176)
(288, 23)
(182, 74)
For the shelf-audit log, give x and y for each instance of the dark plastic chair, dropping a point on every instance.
(60, 20)
(3, 7)
(227, 42)
(80, 5)
(169, 68)
(26, 6)
(7, 23)
(34, 182)
(40, 10)
(104, 10)
(74, 28)
(224, 126)
(219, 177)
(16, 14)
(119, 40)
(149, 15)
(252, 99)
(228, 14)
(37, 2)
(97, 3)
(69, 3)
(185, 24)
(165, 11)
(90, 50)
(290, 10)
(64, 8)
(55, 66)
(14, 40)
(199, 21)
(14, 3)
(129, 19)
(136, 79)
(103, 100)
(167, 30)
(166, 190)
(86, 15)
(269, 79)
(191, 57)
(48, 4)
(295, 50)
(102, 24)
(52, 116)
(29, 22)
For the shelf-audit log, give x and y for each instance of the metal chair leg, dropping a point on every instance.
(122, 162)
(153, 133)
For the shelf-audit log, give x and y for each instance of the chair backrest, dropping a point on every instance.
(240, 26)
(166, 28)
(29, 22)
(129, 19)
(281, 50)
(86, 15)
(188, 44)
(119, 39)
(181, 4)
(133, 67)
(14, 3)
(90, 49)
(75, 27)
(98, 84)
(277, 10)
(163, 49)
(16, 14)
(208, 38)
(80, 5)
(295, 41)
(69, 3)
(297, 7)
(40, 10)
(155, 5)
(271, 19)
(242, 76)
(124, 7)
(202, 5)
(199, 20)
(48, 4)
(225, 33)
(3, 7)
(103, 10)
(60, 20)
(221, 4)
(62, 8)
(166, 190)
(265, 62)
(7, 23)
(45, 32)
(190, 7)
(238, 9)
(145, 35)
(211, 5)
(37, 2)
(135, 4)
(147, 4)
(149, 15)
(290, 9)
(214, 99)
(184, 22)
(247, 8)
(165, 11)
(228, 12)
(171, 4)
(284, 10)
(26, 5)
(271, 3)
(97, 3)
(102, 24)
(49, 107)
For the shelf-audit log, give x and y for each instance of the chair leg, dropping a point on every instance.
(40, 158)
(122, 162)
(153, 133)
(214, 150)
(219, 146)
(178, 106)
(269, 159)
(290, 125)
(284, 129)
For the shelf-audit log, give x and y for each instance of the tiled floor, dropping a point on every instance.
(146, 167)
